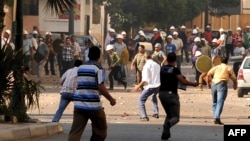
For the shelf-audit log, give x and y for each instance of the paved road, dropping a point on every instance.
(196, 123)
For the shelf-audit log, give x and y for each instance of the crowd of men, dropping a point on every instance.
(157, 63)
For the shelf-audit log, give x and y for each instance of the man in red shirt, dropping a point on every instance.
(208, 34)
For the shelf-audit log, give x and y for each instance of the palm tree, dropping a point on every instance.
(16, 93)
(56, 6)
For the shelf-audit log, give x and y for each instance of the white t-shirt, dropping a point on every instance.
(151, 74)
(179, 45)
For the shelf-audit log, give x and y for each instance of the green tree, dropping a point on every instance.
(160, 13)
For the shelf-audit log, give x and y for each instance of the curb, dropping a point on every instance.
(30, 131)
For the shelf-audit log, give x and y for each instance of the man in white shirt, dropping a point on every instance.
(179, 45)
(77, 48)
(68, 82)
(222, 41)
(151, 83)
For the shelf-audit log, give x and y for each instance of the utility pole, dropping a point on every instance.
(71, 21)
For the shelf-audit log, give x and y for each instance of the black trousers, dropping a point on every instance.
(116, 74)
(171, 104)
(51, 61)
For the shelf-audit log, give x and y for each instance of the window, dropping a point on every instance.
(247, 64)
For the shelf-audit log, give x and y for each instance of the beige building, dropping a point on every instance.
(226, 22)
(88, 18)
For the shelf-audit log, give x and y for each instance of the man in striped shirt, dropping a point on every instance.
(68, 81)
(87, 104)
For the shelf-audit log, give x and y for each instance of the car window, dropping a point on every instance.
(247, 64)
(81, 40)
(95, 42)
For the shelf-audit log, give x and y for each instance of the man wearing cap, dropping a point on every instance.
(156, 38)
(229, 43)
(179, 46)
(27, 49)
(159, 56)
(171, 30)
(115, 68)
(6, 37)
(51, 59)
(238, 35)
(34, 42)
(196, 48)
(110, 39)
(215, 50)
(121, 49)
(183, 36)
(222, 42)
(43, 51)
(240, 52)
(208, 34)
(124, 37)
(205, 48)
(170, 47)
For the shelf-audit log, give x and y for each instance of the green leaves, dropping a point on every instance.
(160, 13)
(58, 6)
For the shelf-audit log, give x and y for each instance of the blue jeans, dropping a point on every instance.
(219, 94)
(64, 102)
(144, 96)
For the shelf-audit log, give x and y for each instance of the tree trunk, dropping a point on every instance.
(2, 15)
(19, 24)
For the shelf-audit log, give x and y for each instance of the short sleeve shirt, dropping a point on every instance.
(139, 60)
(168, 77)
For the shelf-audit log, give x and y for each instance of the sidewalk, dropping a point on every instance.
(13, 132)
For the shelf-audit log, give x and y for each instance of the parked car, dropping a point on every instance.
(243, 77)
(83, 39)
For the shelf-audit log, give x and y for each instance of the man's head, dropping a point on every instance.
(203, 41)
(94, 53)
(63, 36)
(73, 38)
(157, 47)
(78, 63)
(148, 55)
(224, 60)
(25, 34)
(68, 41)
(141, 49)
(7, 33)
(175, 35)
(119, 38)
(214, 42)
(171, 58)
(169, 39)
(239, 43)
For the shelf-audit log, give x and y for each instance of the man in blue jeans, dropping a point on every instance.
(68, 81)
(150, 83)
(168, 93)
(220, 74)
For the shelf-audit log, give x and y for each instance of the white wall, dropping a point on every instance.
(49, 22)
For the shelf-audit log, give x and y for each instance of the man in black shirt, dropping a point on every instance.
(170, 76)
